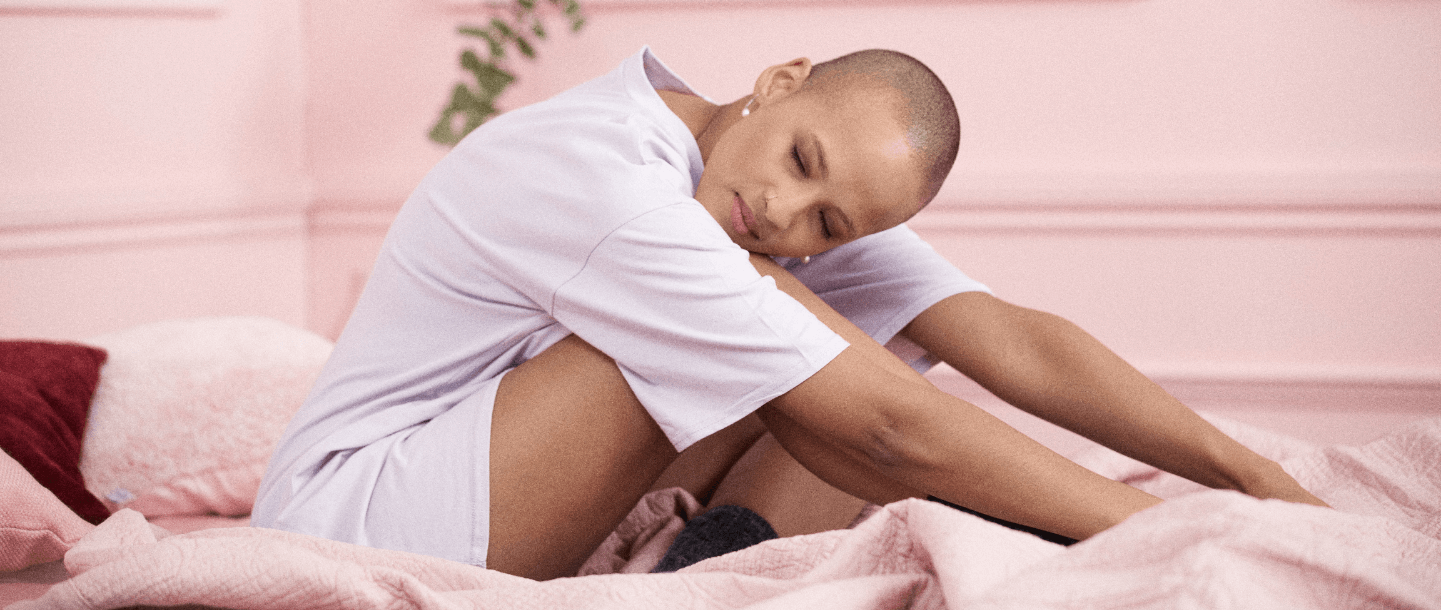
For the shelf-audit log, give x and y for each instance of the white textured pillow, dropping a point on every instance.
(188, 411)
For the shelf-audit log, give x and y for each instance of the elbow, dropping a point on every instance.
(895, 441)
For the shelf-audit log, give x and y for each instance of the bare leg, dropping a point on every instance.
(701, 467)
(571, 452)
(770, 482)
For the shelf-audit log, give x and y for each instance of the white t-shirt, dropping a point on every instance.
(574, 215)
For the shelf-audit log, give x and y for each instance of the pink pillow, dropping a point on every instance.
(35, 526)
(188, 411)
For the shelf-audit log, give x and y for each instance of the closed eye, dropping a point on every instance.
(796, 156)
(825, 228)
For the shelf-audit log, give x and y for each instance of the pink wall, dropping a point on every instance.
(1242, 198)
(1062, 100)
(152, 164)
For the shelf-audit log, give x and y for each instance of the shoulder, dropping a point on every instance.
(597, 149)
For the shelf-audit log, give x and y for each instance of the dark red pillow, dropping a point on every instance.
(45, 392)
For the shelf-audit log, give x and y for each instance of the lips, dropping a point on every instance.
(742, 220)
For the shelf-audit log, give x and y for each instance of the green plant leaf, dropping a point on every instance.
(441, 132)
(492, 79)
(470, 61)
(501, 28)
(464, 103)
(496, 49)
(462, 99)
(470, 107)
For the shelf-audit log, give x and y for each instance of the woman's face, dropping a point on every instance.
(802, 175)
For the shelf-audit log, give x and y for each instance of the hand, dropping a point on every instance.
(1270, 481)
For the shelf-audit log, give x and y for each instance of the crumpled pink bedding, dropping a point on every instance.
(1379, 548)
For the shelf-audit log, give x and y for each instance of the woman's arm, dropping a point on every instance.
(867, 414)
(1051, 368)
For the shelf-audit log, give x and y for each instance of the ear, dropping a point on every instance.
(781, 80)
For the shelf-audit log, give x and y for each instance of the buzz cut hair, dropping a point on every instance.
(924, 108)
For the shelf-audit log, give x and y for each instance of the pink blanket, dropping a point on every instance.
(1380, 548)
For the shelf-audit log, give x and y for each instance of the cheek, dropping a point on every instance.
(740, 148)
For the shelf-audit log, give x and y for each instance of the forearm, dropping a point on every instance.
(936, 444)
(1054, 370)
(867, 415)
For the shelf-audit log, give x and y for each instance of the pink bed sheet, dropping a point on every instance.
(1379, 548)
(34, 581)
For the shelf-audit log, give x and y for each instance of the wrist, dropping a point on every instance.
(1255, 475)
(1235, 467)
(1265, 479)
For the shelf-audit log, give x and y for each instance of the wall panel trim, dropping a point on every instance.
(329, 218)
(1383, 184)
(951, 216)
(60, 237)
(1402, 221)
(112, 5)
(1224, 386)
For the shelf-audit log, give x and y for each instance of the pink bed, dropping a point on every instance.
(1379, 548)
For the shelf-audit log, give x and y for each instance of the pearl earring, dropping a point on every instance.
(806, 259)
(746, 111)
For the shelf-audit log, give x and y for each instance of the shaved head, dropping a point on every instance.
(922, 104)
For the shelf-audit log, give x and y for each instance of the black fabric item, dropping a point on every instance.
(1042, 534)
(715, 532)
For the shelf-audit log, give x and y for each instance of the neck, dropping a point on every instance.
(706, 121)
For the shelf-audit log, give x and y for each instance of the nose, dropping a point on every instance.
(784, 209)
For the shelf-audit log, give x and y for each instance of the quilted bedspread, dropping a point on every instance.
(1379, 548)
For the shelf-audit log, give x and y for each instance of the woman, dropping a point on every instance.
(584, 287)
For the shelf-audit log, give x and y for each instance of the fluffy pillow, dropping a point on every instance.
(45, 391)
(188, 411)
(35, 527)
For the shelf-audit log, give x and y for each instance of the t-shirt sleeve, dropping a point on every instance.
(883, 281)
(702, 338)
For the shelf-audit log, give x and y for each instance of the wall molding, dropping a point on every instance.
(65, 231)
(1396, 200)
(109, 6)
(1393, 184)
(944, 216)
(1317, 410)
(1235, 386)
(951, 216)
(41, 239)
(370, 217)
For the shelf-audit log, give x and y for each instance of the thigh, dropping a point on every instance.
(830, 464)
(571, 452)
(768, 481)
(703, 465)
